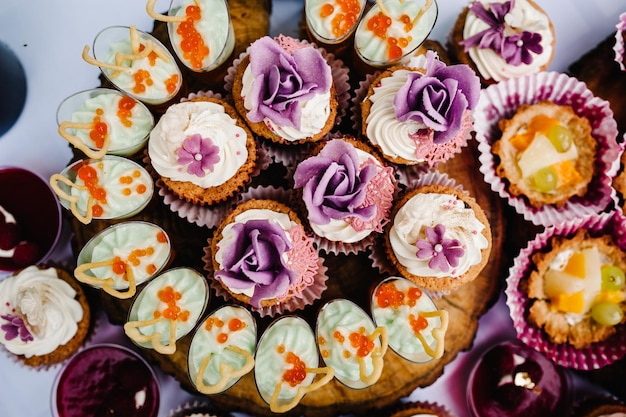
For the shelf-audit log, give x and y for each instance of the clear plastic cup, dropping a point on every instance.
(127, 122)
(331, 21)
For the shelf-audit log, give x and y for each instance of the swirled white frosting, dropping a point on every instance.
(193, 297)
(46, 304)
(206, 343)
(121, 136)
(314, 113)
(383, 128)
(160, 73)
(122, 198)
(123, 240)
(523, 17)
(344, 318)
(209, 120)
(228, 237)
(214, 27)
(288, 334)
(428, 210)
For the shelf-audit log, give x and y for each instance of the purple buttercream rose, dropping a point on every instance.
(256, 259)
(282, 80)
(334, 185)
(439, 98)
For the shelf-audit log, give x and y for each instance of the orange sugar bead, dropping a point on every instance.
(151, 269)
(326, 10)
(297, 373)
(388, 295)
(222, 338)
(141, 189)
(161, 237)
(418, 323)
(235, 324)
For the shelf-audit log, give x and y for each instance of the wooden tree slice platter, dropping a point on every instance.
(350, 276)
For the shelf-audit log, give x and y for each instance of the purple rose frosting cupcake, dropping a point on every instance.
(420, 113)
(347, 192)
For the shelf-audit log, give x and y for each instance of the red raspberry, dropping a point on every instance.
(26, 253)
(9, 235)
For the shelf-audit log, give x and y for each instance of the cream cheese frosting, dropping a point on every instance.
(523, 17)
(143, 247)
(314, 113)
(428, 210)
(209, 120)
(213, 27)
(47, 307)
(226, 327)
(123, 132)
(384, 130)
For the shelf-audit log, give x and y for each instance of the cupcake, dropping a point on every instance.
(261, 257)
(122, 257)
(565, 291)
(106, 377)
(415, 327)
(109, 188)
(136, 63)
(419, 115)
(45, 316)
(350, 343)
(438, 237)
(202, 151)
(419, 409)
(347, 191)
(546, 153)
(297, 111)
(501, 39)
(551, 97)
(103, 121)
(287, 364)
(510, 379)
(222, 349)
(166, 309)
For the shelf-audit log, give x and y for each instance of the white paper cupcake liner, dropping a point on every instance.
(618, 48)
(598, 354)
(501, 100)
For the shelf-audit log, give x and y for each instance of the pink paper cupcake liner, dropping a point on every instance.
(598, 354)
(618, 48)
(308, 295)
(501, 100)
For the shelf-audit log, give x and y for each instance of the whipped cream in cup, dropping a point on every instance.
(333, 21)
(103, 121)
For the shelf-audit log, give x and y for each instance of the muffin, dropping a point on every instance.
(350, 343)
(511, 379)
(565, 291)
(202, 150)
(419, 408)
(287, 364)
(222, 349)
(420, 115)
(104, 121)
(416, 328)
(136, 63)
(546, 153)
(503, 39)
(45, 315)
(166, 309)
(347, 191)
(106, 377)
(438, 237)
(296, 112)
(110, 188)
(576, 289)
(122, 257)
(261, 257)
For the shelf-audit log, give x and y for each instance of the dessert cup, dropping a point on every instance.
(33, 206)
(123, 256)
(103, 121)
(113, 187)
(106, 376)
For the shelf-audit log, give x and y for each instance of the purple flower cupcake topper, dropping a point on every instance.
(198, 154)
(443, 253)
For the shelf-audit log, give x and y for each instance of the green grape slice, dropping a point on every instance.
(560, 136)
(607, 314)
(613, 278)
(545, 179)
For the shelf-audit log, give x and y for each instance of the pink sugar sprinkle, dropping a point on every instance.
(288, 43)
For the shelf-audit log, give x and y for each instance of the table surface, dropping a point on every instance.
(48, 37)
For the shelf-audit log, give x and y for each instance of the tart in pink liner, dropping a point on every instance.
(501, 100)
(598, 354)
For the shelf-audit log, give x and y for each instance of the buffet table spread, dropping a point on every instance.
(49, 44)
